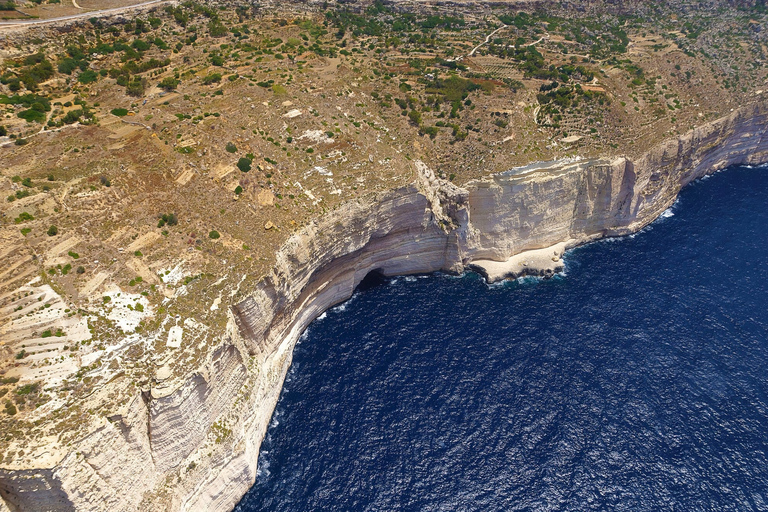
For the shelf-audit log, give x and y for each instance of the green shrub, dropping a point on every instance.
(32, 116)
(212, 78)
(214, 235)
(88, 76)
(28, 389)
(244, 164)
(169, 83)
(23, 217)
(53, 231)
(72, 116)
(432, 131)
(73, 255)
(231, 148)
(135, 88)
(165, 218)
(238, 190)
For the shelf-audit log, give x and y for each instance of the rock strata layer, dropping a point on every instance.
(193, 443)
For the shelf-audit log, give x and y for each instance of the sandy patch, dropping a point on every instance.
(93, 284)
(185, 176)
(537, 262)
(174, 337)
(144, 240)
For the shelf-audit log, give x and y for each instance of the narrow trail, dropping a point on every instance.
(489, 36)
(88, 14)
(487, 40)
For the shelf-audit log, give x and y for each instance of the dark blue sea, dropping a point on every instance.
(638, 380)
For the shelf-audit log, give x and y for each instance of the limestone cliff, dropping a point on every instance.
(193, 444)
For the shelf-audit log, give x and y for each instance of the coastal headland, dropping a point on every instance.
(189, 203)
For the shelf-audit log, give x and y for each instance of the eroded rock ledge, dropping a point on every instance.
(154, 454)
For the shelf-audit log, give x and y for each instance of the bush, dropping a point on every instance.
(10, 408)
(231, 148)
(244, 164)
(32, 115)
(3, 131)
(53, 231)
(432, 131)
(214, 235)
(119, 112)
(165, 218)
(81, 270)
(72, 116)
(23, 217)
(238, 190)
(135, 87)
(88, 76)
(169, 83)
(212, 78)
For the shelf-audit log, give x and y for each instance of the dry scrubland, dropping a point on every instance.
(152, 165)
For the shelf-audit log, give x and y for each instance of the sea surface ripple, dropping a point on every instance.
(636, 381)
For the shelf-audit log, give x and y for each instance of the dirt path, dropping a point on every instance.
(487, 40)
(89, 14)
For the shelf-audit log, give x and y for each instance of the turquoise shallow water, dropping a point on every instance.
(636, 381)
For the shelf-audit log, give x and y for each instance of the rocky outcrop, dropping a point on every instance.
(193, 444)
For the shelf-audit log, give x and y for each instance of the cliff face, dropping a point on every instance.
(193, 444)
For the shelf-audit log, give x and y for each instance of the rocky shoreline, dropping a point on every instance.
(153, 454)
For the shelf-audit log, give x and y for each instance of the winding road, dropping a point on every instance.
(89, 14)
(487, 40)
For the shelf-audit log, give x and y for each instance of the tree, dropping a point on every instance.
(53, 231)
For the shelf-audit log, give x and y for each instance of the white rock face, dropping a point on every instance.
(193, 444)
